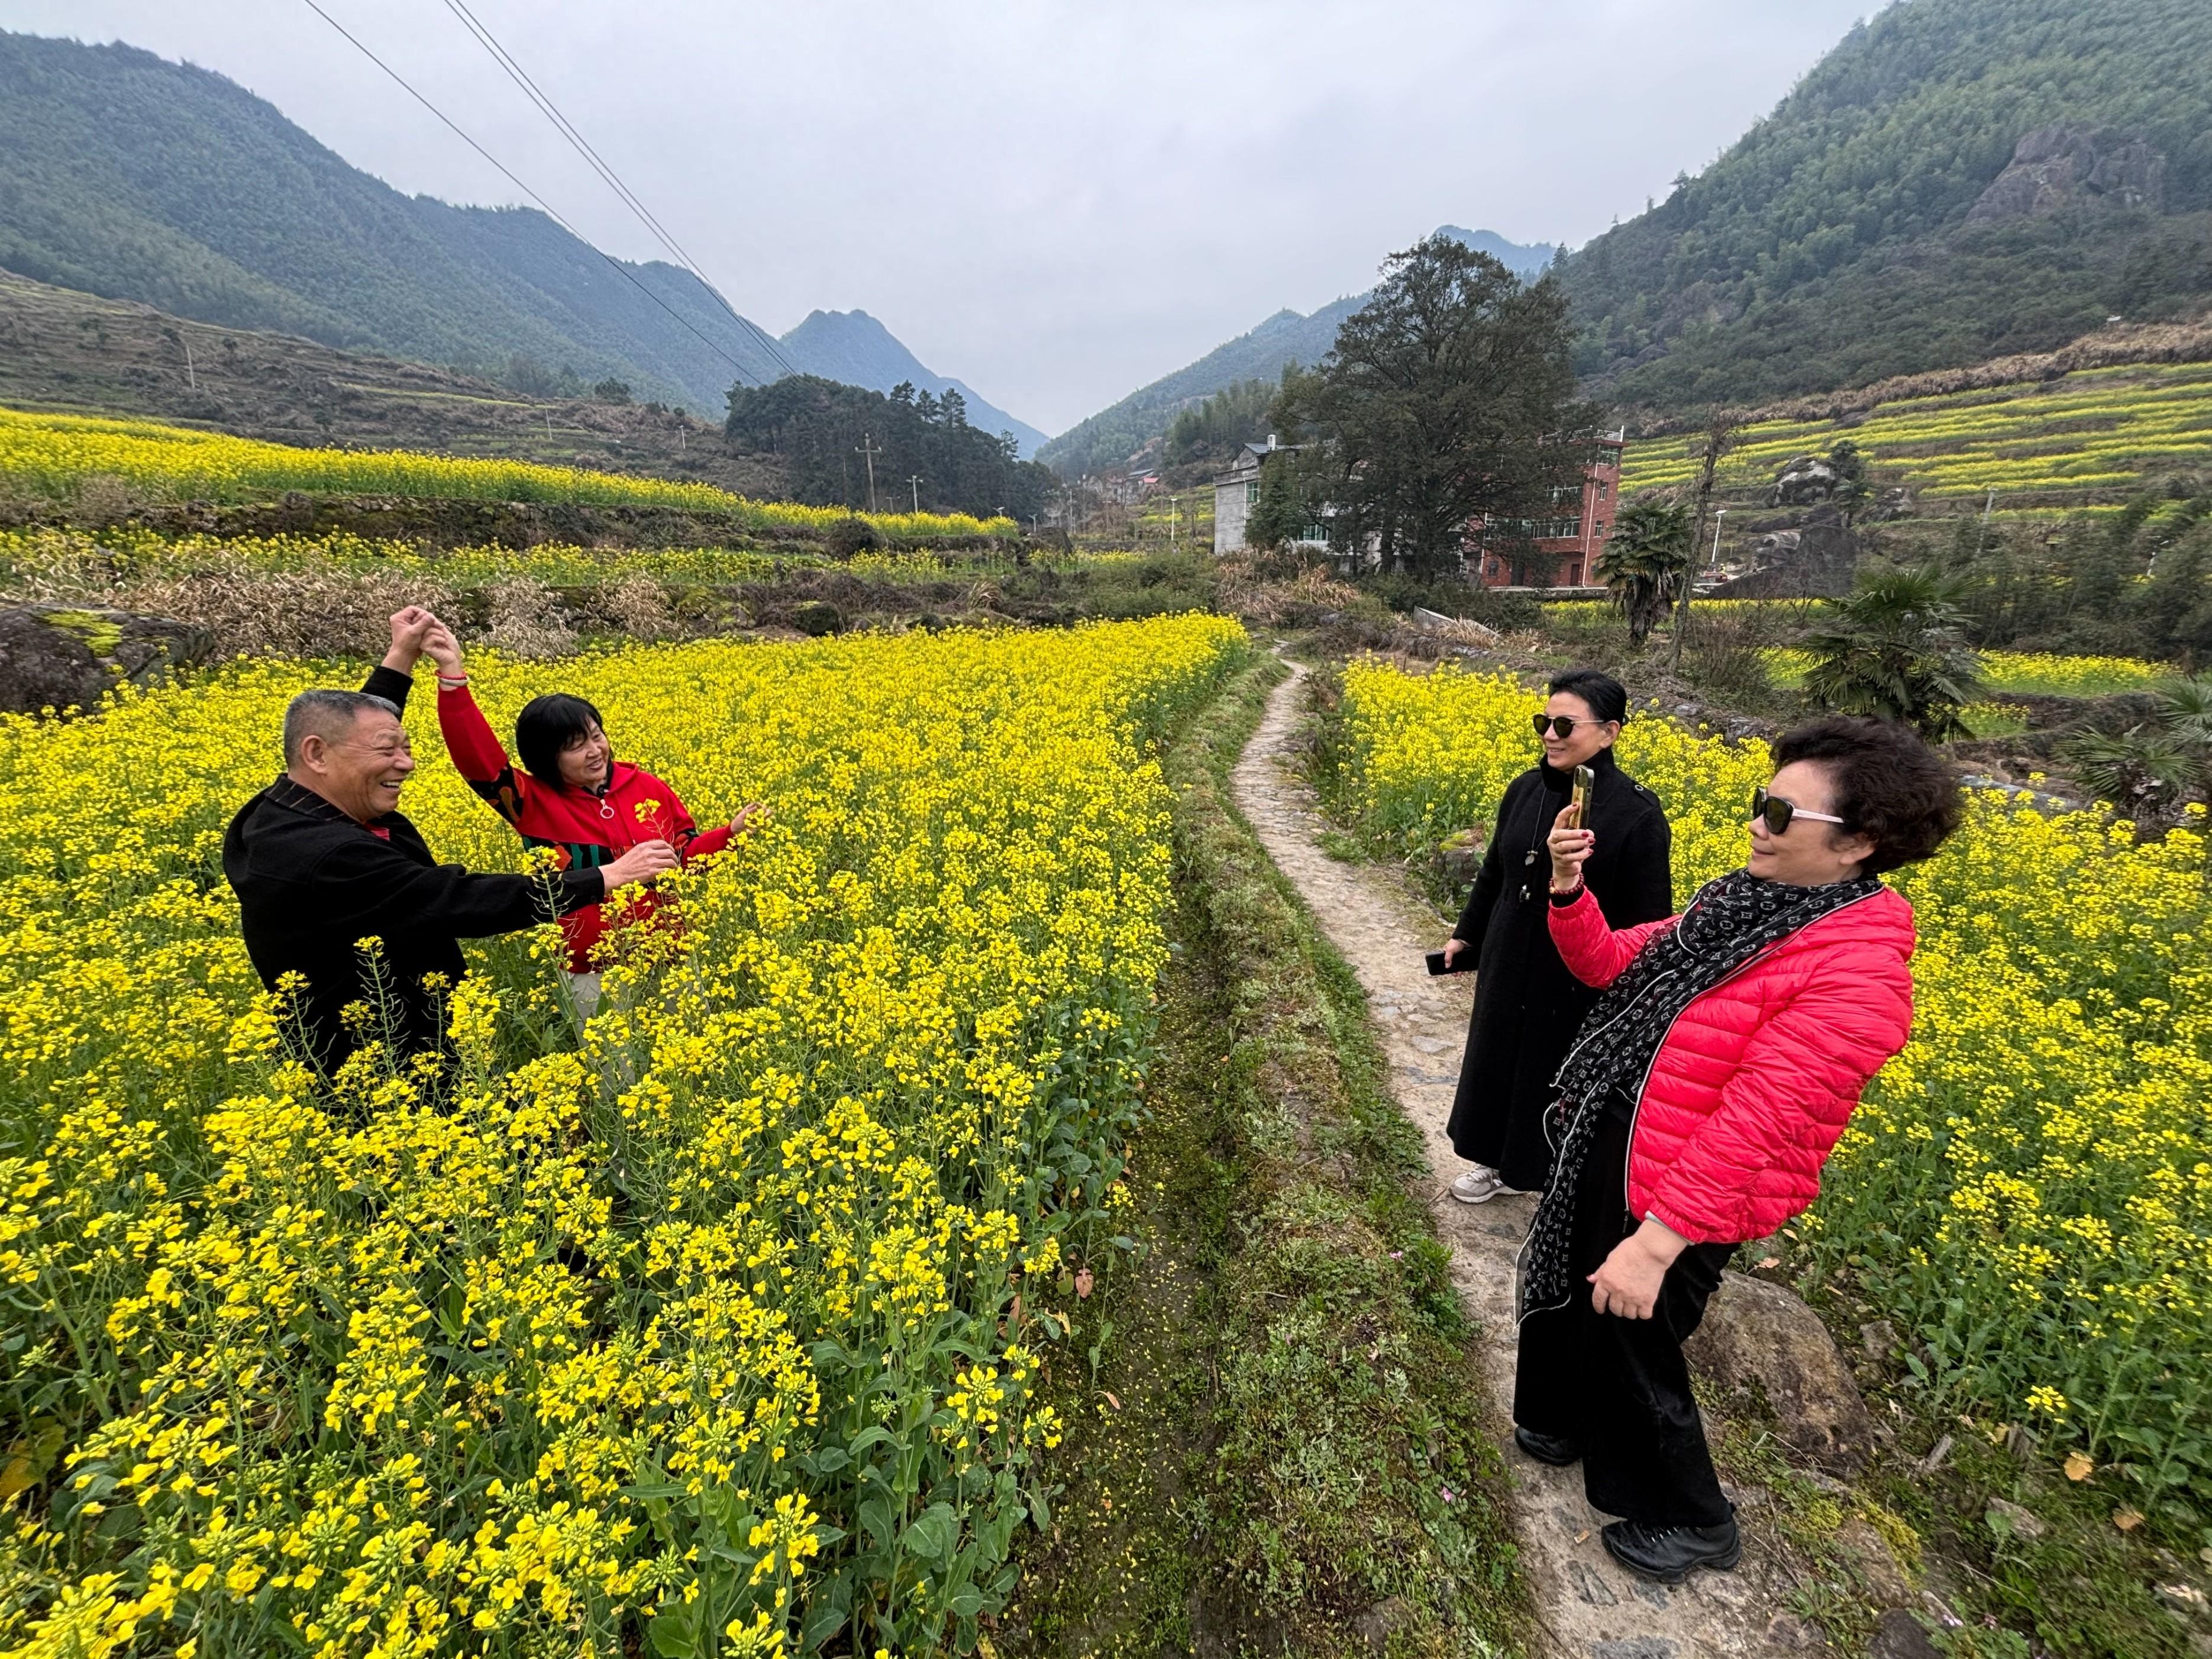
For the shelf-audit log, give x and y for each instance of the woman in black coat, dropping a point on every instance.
(1527, 1006)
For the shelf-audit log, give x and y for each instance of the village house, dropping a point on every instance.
(1238, 493)
(1561, 550)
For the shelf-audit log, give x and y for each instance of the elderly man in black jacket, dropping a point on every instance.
(322, 860)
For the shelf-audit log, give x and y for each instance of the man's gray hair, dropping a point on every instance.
(328, 716)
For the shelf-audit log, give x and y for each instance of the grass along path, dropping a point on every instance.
(1585, 1606)
(1276, 1443)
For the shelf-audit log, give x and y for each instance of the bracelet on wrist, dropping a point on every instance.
(453, 681)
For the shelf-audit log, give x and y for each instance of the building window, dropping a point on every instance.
(1251, 496)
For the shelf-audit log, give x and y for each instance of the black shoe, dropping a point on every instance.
(1670, 1554)
(1552, 1449)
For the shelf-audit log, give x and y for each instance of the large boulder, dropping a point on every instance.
(1814, 561)
(2059, 166)
(66, 657)
(1804, 481)
(1758, 1337)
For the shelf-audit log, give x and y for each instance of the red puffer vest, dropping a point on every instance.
(585, 830)
(1754, 1081)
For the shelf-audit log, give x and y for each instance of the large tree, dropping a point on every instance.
(1447, 403)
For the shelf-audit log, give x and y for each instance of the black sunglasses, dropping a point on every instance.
(1780, 814)
(1562, 725)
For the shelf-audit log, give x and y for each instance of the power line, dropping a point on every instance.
(569, 130)
(620, 269)
(629, 198)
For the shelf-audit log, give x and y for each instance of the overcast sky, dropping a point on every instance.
(1057, 203)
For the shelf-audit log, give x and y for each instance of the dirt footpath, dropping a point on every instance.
(1590, 1609)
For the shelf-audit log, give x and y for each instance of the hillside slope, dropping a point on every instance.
(1957, 180)
(853, 347)
(129, 177)
(69, 352)
(1109, 437)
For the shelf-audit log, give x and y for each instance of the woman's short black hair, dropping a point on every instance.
(1606, 697)
(1890, 785)
(549, 725)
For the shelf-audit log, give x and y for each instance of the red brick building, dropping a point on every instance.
(1559, 551)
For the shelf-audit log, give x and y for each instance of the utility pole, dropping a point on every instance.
(1175, 519)
(1720, 438)
(917, 481)
(867, 448)
(1982, 534)
(190, 378)
(1714, 564)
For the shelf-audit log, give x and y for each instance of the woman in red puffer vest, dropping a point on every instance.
(1697, 1107)
(572, 796)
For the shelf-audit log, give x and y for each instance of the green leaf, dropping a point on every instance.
(674, 1634)
(822, 1622)
(933, 1536)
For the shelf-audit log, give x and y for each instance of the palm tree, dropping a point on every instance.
(2149, 768)
(2184, 708)
(1895, 649)
(2141, 772)
(1645, 562)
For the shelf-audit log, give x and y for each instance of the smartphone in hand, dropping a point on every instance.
(1462, 963)
(1585, 781)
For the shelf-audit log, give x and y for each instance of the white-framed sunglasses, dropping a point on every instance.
(1780, 814)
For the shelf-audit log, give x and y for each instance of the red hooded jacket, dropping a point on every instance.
(584, 827)
(1754, 1081)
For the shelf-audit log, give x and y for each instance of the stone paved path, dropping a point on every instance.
(1590, 1609)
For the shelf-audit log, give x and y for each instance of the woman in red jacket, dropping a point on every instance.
(1696, 1109)
(573, 796)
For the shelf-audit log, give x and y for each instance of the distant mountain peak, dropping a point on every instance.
(1260, 352)
(854, 347)
(136, 177)
(1529, 260)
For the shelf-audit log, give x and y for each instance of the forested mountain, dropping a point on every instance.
(1957, 179)
(1113, 434)
(854, 347)
(126, 175)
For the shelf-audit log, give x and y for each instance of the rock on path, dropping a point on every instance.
(1588, 1607)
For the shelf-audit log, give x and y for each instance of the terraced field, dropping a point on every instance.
(52, 458)
(2091, 435)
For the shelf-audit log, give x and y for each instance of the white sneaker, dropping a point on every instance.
(1481, 1184)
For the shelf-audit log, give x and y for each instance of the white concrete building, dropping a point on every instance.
(1237, 493)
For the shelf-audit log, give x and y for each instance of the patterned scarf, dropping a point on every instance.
(1729, 922)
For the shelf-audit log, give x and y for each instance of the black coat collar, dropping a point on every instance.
(298, 798)
(1560, 782)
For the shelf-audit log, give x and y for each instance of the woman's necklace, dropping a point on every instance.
(1528, 858)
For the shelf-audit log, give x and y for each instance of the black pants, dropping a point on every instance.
(1619, 1387)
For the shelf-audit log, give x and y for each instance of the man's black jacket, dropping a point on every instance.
(311, 883)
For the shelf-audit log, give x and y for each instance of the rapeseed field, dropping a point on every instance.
(2089, 434)
(53, 456)
(715, 1334)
